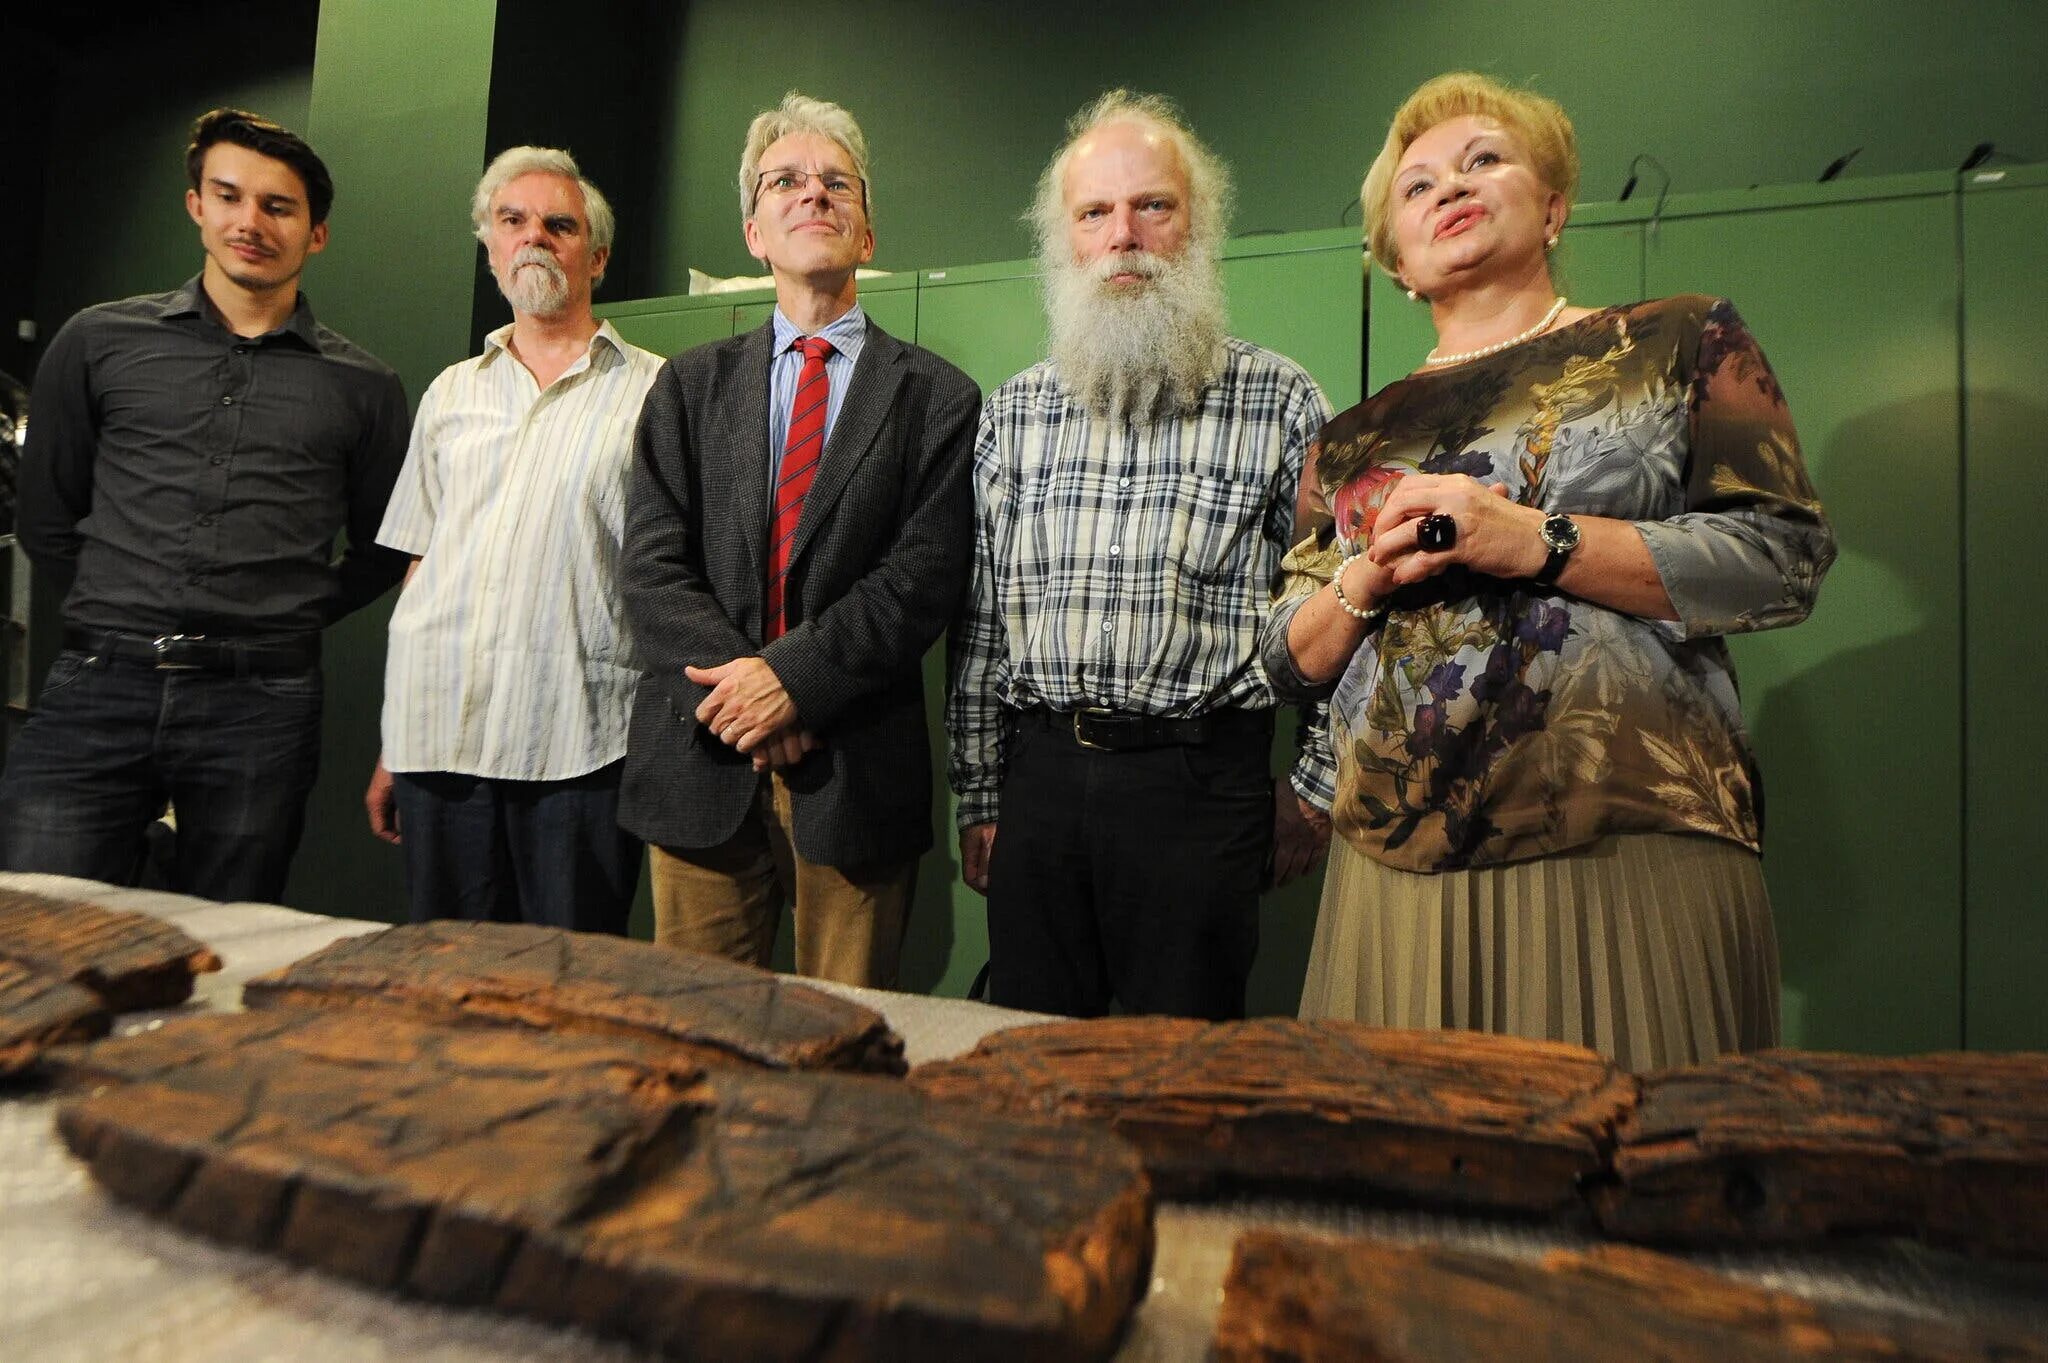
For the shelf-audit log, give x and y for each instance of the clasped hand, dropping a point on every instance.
(1495, 536)
(749, 711)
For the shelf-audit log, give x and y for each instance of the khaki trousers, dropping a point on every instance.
(727, 900)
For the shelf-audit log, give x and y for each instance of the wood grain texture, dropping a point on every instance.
(1448, 1118)
(1797, 1147)
(715, 1011)
(1300, 1299)
(722, 1214)
(129, 959)
(38, 1011)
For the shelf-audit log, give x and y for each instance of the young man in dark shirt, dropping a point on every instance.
(191, 457)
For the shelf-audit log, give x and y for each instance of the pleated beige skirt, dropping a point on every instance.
(1655, 949)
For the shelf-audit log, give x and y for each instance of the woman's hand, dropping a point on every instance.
(1495, 536)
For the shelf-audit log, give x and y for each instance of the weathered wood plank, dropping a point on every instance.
(1452, 1118)
(720, 1214)
(38, 1011)
(129, 959)
(717, 1011)
(1306, 1300)
(1795, 1147)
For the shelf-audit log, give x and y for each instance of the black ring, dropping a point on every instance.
(1437, 533)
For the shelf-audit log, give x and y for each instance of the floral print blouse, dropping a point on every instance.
(1485, 721)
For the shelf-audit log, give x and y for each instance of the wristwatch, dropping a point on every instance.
(1560, 535)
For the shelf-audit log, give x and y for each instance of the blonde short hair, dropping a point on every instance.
(1538, 123)
(801, 114)
(1209, 189)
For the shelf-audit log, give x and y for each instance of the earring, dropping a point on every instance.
(1413, 296)
(1550, 243)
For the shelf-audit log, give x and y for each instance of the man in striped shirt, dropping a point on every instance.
(1134, 497)
(511, 671)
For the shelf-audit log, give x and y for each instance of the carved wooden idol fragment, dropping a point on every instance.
(715, 1214)
(130, 960)
(1307, 1300)
(1451, 1118)
(39, 1011)
(1795, 1147)
(715, 1011)
(68, 965)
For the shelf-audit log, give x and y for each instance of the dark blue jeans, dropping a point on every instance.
(547, 852)
(111, 741)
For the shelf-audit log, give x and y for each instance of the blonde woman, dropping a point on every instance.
(1529, 552)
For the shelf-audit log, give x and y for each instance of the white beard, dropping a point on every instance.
(539, 291)
(1135, 351)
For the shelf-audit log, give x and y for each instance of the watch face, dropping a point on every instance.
(1560, 532)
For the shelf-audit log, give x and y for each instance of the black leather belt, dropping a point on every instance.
(1118, 731)
(200, 652)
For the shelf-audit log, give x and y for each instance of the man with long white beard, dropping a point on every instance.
(1134, 498)
(511, 671)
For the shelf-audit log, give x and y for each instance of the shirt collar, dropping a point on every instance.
(190, 300)
(845, 333)
(606, 333)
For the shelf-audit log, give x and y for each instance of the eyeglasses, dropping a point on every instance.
(839, 186)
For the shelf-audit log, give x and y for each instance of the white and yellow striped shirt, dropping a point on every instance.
(509, 654)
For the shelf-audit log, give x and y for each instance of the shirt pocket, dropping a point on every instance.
(1216, 529)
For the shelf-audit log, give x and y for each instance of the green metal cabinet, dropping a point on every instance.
(2005, 582)
(669, 326)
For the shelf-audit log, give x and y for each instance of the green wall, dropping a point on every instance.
(962, 100)
(398, 110)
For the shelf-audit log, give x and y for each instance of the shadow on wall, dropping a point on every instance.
(1856, 716)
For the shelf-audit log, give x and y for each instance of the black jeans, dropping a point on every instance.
(1130, 876)
(111, 741)
(547, 852)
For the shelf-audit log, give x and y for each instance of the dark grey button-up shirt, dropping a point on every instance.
(196, 479)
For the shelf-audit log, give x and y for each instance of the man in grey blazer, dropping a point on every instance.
(797, 537)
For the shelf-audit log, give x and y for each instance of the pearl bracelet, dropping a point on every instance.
(1337, 586)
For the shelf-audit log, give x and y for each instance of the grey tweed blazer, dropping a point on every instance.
(879, 565)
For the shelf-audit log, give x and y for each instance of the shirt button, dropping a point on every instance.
(227, 399)
(1105, 626)
(205, 520)
(242, 349)
(1115, 549)
(218, 459)
(1123, 482)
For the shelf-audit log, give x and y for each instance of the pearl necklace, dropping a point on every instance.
(1433, 359)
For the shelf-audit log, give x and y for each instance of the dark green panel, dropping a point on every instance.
(1855, 712)
(1598, 264)
(671, 331)
(987, 319)
(398, 112)
(963, 104)
(2005, 365)
(1308, 305)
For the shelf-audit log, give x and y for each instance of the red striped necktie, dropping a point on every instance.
(799, 465)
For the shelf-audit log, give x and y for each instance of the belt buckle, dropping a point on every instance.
(163, 643)
(1082, 716)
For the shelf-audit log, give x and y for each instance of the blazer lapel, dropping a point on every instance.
(747, 428)
(869, 397)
